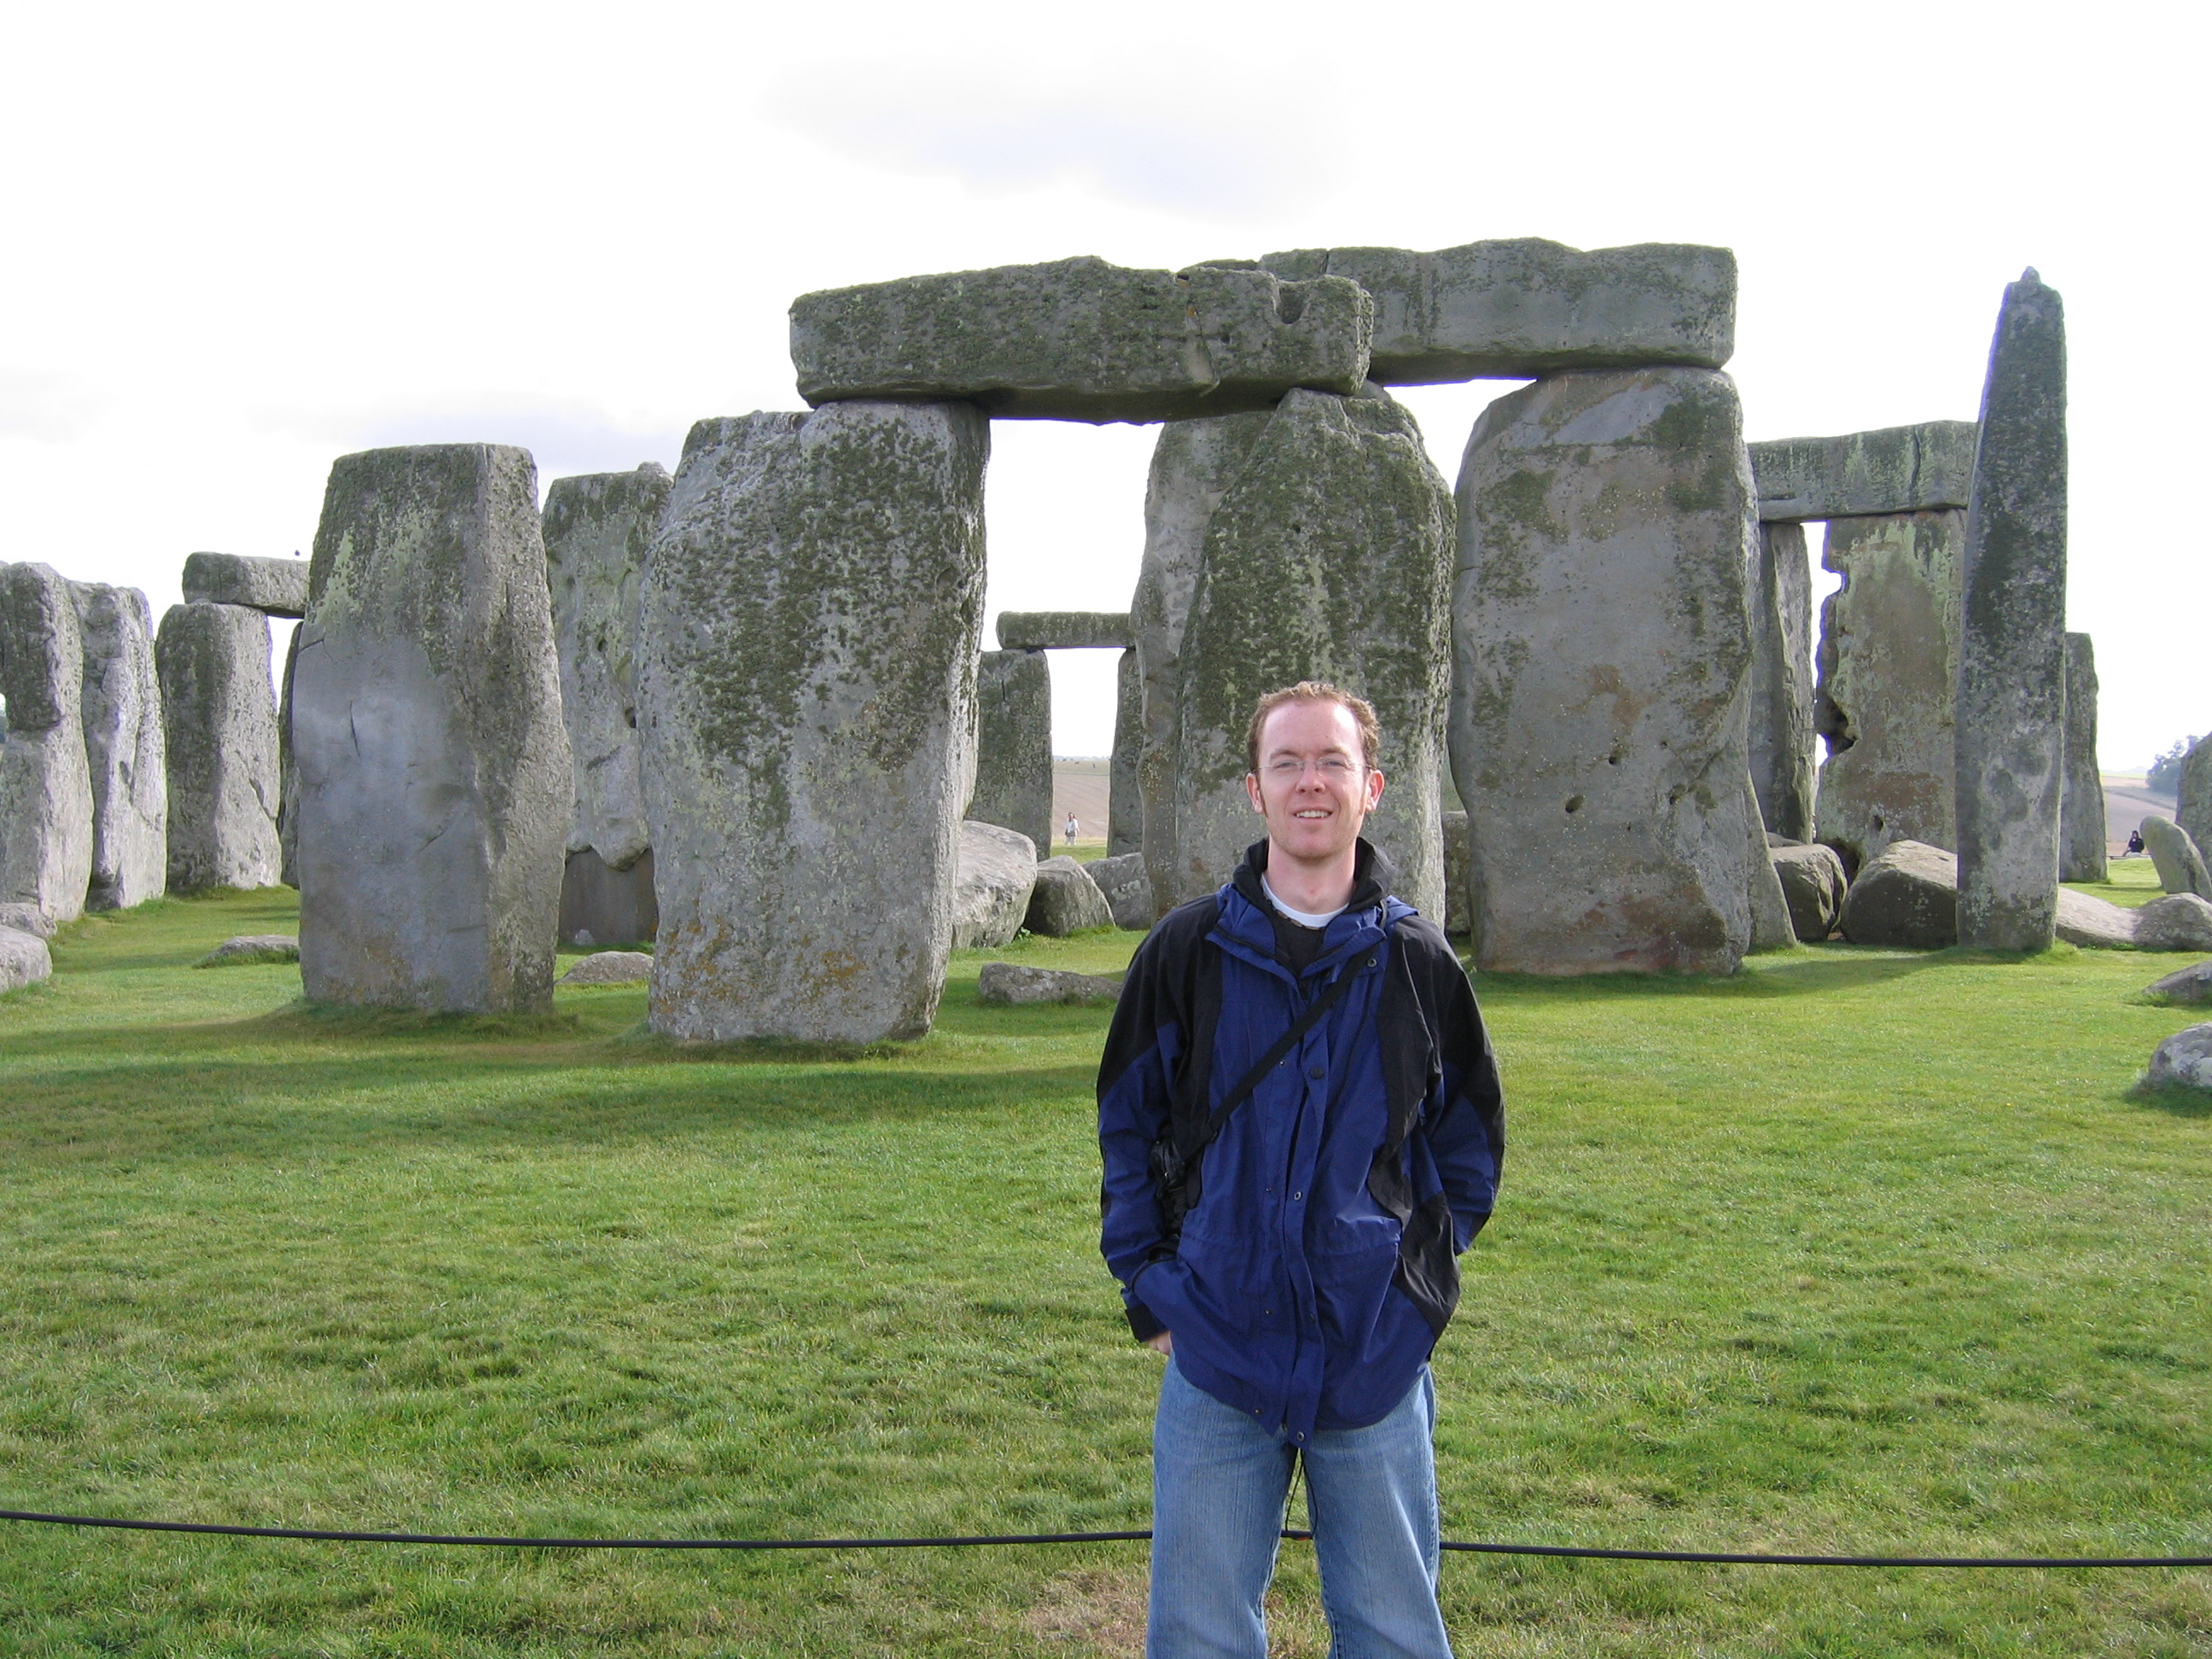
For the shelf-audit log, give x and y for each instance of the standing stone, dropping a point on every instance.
(1013, 744)
(1888, 662)
(1082, 340)
(219, 723)
(599, 530)
(1328, 558)
(1782, 764)
(124, 747)
(287, 771)
(1194, 465)
(45, 784)
(2193, 803)
(1125, 796)
(2012, 655)
(276, 588)
(807, 694)
(435, 789)
(1603, 639)
(1456, 849)
(2081, 843)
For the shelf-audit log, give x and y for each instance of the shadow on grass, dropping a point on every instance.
(1808, 970)
(2172, 1101)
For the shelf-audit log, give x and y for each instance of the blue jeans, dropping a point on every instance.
(1219, 1482)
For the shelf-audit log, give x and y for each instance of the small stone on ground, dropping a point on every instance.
(24, 959)
(2179, 921)
(1008, 983)
(2189, 985)
(610, 967)
(2183, 1060)
(246, 949)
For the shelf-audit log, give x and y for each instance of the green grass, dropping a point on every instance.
(1862, 1251)
(2132, 882)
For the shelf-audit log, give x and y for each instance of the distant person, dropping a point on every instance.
(1071, 829)
(2135, 842)
(1288, 1235)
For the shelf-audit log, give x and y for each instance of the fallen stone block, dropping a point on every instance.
(2183, 1060)
(1013, 744)
(45, 781)
(1010, 984)
(2187, 985)
(1127, 887)
(276, 588)
(2174, 854)
(1601, 641)
(1064, 630)
(991, 896)
(2179, 921)
(1523, 307)
(248, 949)
(1896, 469)
(219, 727)
(811, 617)
(1082, 340)
(436, 794)
(1907, 894)
(2011, 713)
(1064, 900)
(27, 919)
(1812, 885)
(125, 750)
(2096, 924)
(24, 960)
(610, 968)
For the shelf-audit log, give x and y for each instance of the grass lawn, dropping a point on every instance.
(1861, 1251)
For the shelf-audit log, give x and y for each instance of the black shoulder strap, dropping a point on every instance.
(1322, 1002)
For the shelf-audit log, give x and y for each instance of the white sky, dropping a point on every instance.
(242, 240)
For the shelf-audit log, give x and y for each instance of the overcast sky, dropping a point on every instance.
(243, 240)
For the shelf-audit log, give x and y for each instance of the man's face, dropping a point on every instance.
(1311, 786)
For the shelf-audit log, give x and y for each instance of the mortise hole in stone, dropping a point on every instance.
(1614, 759)
(1574, 802)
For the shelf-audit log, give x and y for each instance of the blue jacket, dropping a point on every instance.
(1314, 1262)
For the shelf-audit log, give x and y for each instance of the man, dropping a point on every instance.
(1288, 1236)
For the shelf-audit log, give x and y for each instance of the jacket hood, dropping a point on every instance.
(1373, 873)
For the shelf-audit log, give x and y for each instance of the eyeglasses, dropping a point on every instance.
(1329, 766)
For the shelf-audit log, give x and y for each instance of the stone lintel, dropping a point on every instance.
(1064, 630)
(1893, 469)
(276, 588)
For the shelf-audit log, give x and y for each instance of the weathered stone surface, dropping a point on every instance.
(1907, 894)
(1009, 984)
(2175, 855)
(2183, 1060)
(2179, 921)
(25, 918)
(1814, 885)
(2189, 985)
(1082, 340)
(276, 588)
(45, 783)
(2094, 924)
(1128, 888)
(1064, 900)
(1064, 630)
(1194, 464)
(2012, 636)
(1530, 307)
(990, 898)
(2192, 805)
(807, 695)
(1458, 918)
(1897, 469)
(2081, 843)
(288, 770)
(219, 725)
(610, 968)
(1125, 795)
(248, 949)
(1328, 558)
(1888, 662)
(1601, 642)
(434, 785)
(124, 747)
(601, 905)
(1782, 768)
(598, 528)
(24, 960)
(1013, 743)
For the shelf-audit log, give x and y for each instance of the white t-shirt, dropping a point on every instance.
(1303, 918)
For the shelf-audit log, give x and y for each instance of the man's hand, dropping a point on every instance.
(1163, 1343)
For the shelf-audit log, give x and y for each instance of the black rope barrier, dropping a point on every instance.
(1724, 1558)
